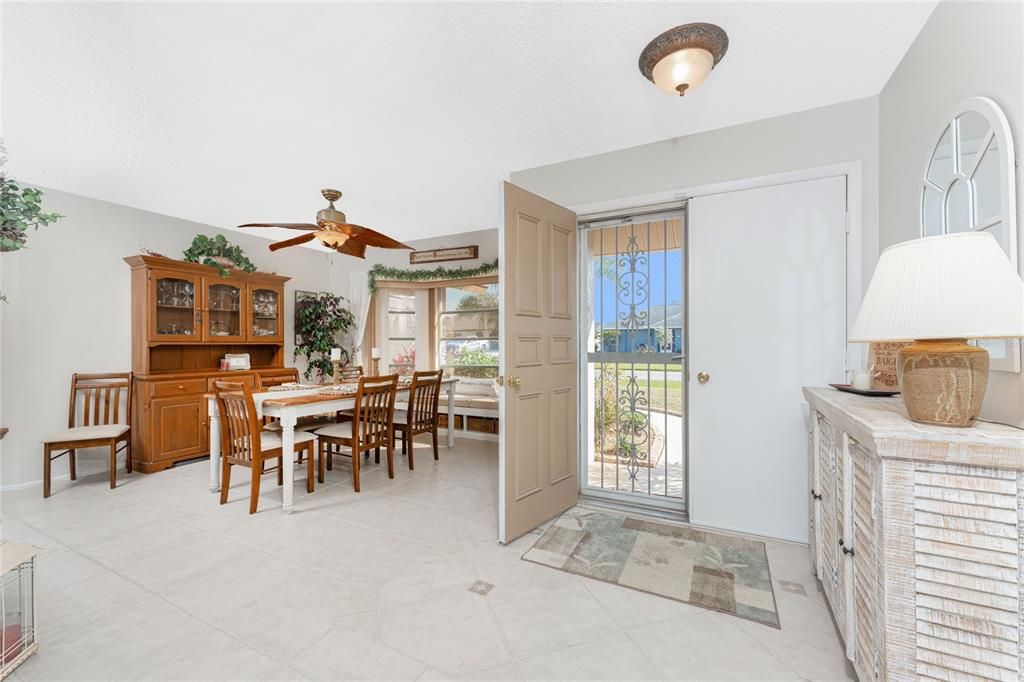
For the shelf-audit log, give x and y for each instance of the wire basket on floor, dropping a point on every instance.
(17, 605)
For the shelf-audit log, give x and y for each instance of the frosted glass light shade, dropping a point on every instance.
(957, 286)
(689, 66)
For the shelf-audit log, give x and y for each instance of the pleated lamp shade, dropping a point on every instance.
(957, 286)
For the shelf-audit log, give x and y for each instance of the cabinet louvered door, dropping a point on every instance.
(831, 517)
(967, 572)
(866, 605)
(813, 505)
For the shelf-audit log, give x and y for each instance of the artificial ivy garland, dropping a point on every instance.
(206, 250)
(439, 273)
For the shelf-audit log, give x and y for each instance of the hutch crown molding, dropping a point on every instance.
(917, 535)
(185, 317)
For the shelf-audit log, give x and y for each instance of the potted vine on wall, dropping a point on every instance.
(21, 208)
(320, 319)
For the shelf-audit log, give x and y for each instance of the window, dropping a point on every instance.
(468, 330)
(401, 333)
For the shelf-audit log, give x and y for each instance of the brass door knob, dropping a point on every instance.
(515, 382)
(703, 378)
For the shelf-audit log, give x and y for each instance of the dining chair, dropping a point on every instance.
(245, 443)
(350, 373)
(421, 414)
(370, 429)
(99, 423)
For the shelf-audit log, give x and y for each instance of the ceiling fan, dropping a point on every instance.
(334, 231)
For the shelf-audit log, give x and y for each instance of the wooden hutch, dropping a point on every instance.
(185, 318)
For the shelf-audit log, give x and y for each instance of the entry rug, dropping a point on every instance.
(719, 572)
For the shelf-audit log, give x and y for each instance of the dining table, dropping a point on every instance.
(289, 403)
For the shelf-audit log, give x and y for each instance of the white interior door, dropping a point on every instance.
(537, 357)
(767, 297)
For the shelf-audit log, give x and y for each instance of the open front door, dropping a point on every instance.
(537, 452)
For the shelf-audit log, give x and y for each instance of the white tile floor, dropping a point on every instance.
(402, 581)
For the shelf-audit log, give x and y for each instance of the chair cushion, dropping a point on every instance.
(477, 387)
(484, 404)
(87, 433)
(313, 425)
(340, 430)
(271, 440)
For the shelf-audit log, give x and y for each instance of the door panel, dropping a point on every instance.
(767, 276)
(538, 330)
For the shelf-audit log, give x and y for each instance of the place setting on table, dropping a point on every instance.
(244, 413)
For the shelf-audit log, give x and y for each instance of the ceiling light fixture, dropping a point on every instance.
(681, 58)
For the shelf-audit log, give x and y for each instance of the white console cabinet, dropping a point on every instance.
(916, 535)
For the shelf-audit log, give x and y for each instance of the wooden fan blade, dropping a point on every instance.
(369, 237)
(287, 226)
(301, 239)
(352, 247)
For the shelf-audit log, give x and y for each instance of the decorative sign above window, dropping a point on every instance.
(440, 255)
(968, 185)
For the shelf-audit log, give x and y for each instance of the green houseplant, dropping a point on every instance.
(319, 319)
(20, 209)
(218, 252)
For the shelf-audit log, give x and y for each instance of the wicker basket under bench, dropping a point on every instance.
(917, 535)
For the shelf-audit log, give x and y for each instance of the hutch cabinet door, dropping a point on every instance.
(175, 303)
(225, 317)
(178, 427)
(266, 313)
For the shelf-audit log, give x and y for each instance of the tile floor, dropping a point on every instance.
(154, 580)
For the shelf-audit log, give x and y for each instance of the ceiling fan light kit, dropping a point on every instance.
(681, 58)
(334, 231)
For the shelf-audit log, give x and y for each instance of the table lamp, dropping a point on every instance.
(938, 292)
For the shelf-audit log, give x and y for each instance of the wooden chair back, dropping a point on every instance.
(374, 412)
(100, 396)
(350, 373)
(239, 426)
(424, 394)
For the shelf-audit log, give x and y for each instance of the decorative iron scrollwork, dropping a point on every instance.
(632, 287)
(634, 435)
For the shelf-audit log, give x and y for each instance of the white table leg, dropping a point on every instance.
(288, 459)
(214, 415)
(451, 416)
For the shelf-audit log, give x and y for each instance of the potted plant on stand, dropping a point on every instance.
(319, 321)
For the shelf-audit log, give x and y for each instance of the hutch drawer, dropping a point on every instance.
(176, 387)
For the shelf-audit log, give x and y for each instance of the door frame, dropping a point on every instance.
(856, 354)
(667, 507)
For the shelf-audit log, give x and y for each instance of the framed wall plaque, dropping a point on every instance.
(440, 255)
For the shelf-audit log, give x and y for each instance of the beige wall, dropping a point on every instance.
(819, 137)
(965, 49)
(70, 311)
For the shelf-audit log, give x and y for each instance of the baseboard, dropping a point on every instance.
(38, 483)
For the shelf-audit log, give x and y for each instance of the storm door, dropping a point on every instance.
(633, 340)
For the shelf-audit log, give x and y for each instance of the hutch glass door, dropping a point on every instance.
(176, 307)
(224, 311)
(266, 315)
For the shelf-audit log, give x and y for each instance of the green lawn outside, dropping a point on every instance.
(662, 395)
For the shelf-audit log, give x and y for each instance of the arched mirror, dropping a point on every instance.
(968, 185)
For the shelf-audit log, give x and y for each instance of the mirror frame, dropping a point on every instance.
(999, 128)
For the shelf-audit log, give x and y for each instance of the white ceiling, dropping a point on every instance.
(229, 113)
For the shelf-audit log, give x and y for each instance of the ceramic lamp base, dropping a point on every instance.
(943, 381)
